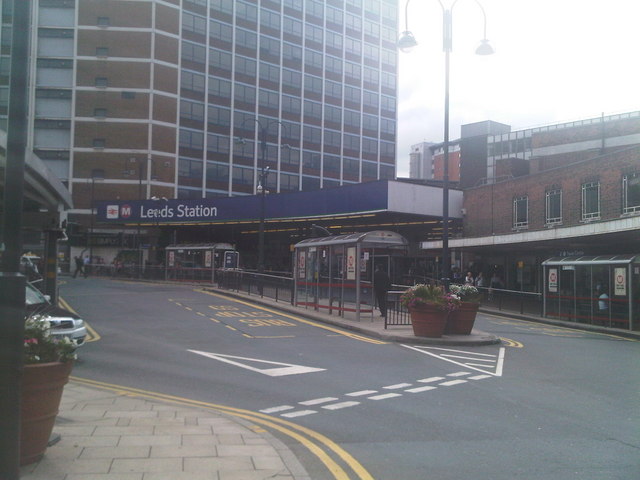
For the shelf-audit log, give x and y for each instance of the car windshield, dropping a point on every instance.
(34, 297)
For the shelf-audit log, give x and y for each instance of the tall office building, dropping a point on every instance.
(135, 99)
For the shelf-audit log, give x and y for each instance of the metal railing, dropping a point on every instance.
(526, 303)
(276, 287)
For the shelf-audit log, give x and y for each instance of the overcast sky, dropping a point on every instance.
(555, 61)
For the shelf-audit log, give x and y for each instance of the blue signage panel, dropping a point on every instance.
(364, 197)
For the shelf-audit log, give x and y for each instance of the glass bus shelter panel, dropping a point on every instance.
(593, 290)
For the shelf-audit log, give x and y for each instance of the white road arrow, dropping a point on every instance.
(481, 362)
(281, 370)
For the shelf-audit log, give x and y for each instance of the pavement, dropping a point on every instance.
(110, 433)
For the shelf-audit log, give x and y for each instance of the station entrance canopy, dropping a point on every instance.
(391, 202)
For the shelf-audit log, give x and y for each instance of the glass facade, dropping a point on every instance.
(307, 88)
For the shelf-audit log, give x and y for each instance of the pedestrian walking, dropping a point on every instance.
(381, 285)
(79, 266)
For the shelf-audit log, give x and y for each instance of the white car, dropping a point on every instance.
(63, 322)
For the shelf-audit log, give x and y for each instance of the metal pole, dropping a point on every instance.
(447, 40)
(262, 182)
(12, 283)
(91, 220)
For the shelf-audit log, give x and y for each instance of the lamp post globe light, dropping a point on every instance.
(406, 43)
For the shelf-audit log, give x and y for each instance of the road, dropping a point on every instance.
(550, 403)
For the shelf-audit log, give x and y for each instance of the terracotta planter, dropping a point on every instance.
(42, 386)
(461, 321)
(428, 321)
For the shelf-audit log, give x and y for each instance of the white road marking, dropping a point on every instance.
(287, 369)
(420, 389)
(452, 382)
(431, 379)
(397, 386)
(281, 408)
(361, 393)
(299, 413)
(338, 406)
(479, 377)
(385, 396)
(458, 374)
(448, 355)
(318, 401)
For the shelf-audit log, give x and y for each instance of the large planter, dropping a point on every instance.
(461, 321)
(428, 320)
(42, 386)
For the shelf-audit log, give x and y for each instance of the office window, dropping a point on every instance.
(334, 15)
(217, 58)
(193, 52)
(99, 143)
(313, 58)
(246, 11)
(217, 143)
(312, 84)
(193, 23)
(245, 93)
(353, 70)
(520, 212)
(291, 78)
(352, 45)
(219, 87)
(333, 89)
(313, 33)
(246, 66)
(332, 114)
(101, 82)
(219, 30)
(312, 109)
(553, 201)
(292, 26)
(219, 116)
(291, 104)
(590, 201)
(191, 139)
(224, 6)
(100, 112)
(631, 193)
(103, 21)
(334, 64)
(192, 81)
(268, 98)
(102, 51)
(269, 72)
(269, 19)
(245, 38)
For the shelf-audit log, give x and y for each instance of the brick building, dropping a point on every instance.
(559, 191)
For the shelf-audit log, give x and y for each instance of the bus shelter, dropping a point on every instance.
(598, 290)
(335, 273)
(198, 262)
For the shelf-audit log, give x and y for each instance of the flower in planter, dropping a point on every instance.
(423, 294)
(41, 347)
(466, 293)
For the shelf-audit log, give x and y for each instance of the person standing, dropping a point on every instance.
(381, 285)
(468, 279)
(87, 263)
(79, 266)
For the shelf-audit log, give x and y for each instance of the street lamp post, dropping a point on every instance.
(262, 182)
(97, 175)
(406, 42)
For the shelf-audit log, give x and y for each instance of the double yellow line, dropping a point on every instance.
(328, 452)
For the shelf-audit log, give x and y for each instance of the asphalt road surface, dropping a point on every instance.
(549, 403)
